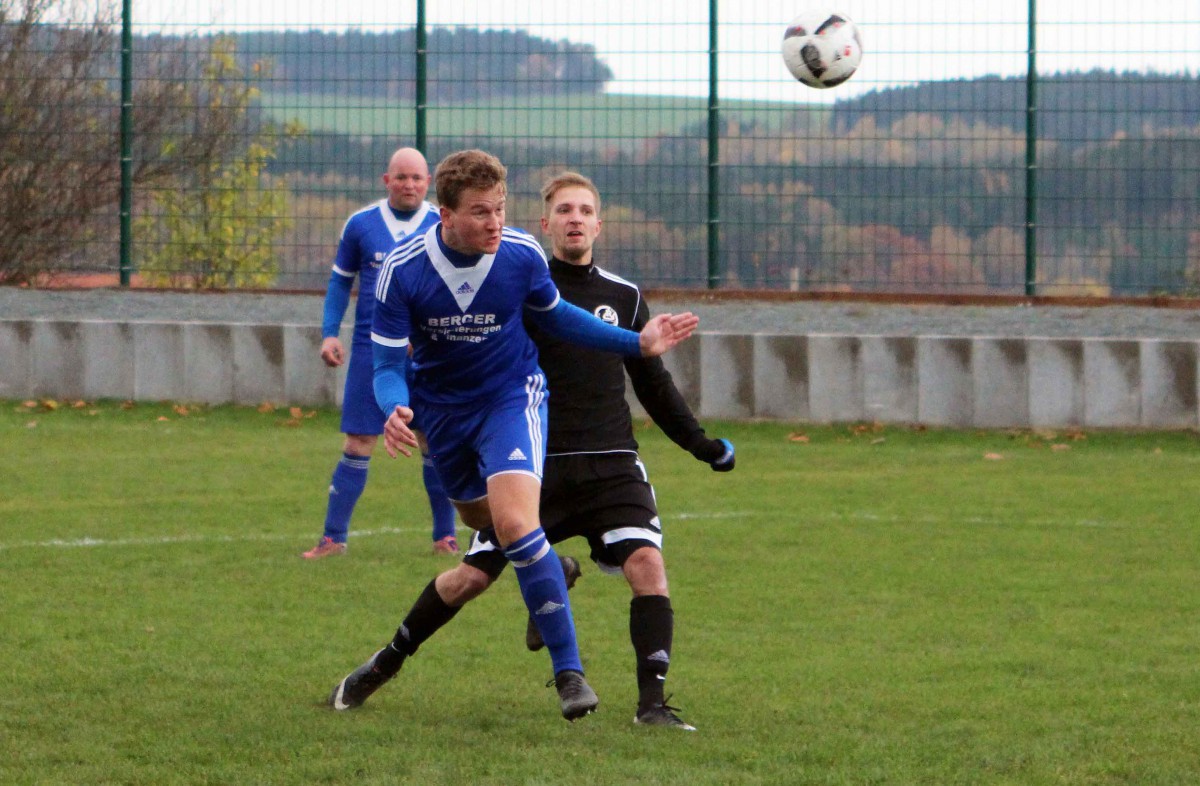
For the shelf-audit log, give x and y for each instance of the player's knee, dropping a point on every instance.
(360, 444)
(646, 572)
(462, 584)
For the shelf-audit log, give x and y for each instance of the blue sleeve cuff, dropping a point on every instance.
(578, 326)
(337, 298)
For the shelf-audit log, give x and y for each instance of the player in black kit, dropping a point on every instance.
(594, 485)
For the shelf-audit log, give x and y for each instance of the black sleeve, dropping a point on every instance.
(656, 391)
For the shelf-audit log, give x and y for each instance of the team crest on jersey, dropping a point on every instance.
(606, 313)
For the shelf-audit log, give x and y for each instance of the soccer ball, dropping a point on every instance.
(822, 48)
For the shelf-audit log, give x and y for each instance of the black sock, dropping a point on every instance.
(651, 626)
(428, 614)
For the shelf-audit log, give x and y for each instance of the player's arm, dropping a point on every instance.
(337, 298)
(389, 352)
(573, 324)
(656, 392)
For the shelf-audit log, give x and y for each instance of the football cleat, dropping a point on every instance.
(326, 547)
(574, 694)
(447, 545)
(572, 572)
(662, 715)
(359, 684)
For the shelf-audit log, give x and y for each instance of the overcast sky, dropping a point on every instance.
(660, 46)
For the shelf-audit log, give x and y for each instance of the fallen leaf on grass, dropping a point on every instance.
(266, 407)
(31, 424)
(1059, 447)
(181, 410)
(79, 404)
(794, 437)
(49, 404)
(296, 412)
(993, 456)
(161, 418)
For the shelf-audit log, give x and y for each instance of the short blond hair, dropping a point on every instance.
(465, 170)
(567, 180)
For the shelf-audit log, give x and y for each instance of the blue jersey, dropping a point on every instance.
(366, 239)
(464, 323)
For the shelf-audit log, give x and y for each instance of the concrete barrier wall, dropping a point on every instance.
(936, 380)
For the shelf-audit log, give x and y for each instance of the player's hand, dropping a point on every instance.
(716, 453)
(397, 436)
(332, 352)
(665, 331)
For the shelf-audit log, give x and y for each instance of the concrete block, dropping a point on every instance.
(780, 377)
(1000, 372)
(835, 369)
(159, 362)
(307, 380)
(945, 390)
(727, 375)
(684, 364)
(57, 359)
(1168, 383)
(108, 360)
(889, 378)
(1111, 385)
(258, 374)
(209, 362)
(16, 338)
(1056, 385)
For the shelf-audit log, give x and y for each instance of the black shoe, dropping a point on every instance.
(662, 715)
(358, 686)
(575, 695)
(572, 572)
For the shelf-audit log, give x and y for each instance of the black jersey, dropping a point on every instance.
(588, 413)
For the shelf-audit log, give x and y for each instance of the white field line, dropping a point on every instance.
(170, 540)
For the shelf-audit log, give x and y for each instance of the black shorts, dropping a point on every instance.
(604, 497)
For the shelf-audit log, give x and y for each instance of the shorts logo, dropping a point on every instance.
(606, 313)
(516, 455)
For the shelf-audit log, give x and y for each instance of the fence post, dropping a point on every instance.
(1031, 125)
(421, 44)
(126, 208)
(714, 139)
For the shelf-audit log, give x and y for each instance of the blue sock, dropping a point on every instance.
(439, 504)
(349, 480)
(544, 589)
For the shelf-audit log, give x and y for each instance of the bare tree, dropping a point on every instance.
(60, 131)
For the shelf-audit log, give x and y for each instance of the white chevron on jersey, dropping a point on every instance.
(401, 229)
(455, 277)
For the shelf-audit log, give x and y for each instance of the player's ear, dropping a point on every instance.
(545, 224)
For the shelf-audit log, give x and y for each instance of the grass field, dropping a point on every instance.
(604, 119)
(853, 605)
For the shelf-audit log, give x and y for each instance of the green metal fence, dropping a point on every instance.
(1006, 148)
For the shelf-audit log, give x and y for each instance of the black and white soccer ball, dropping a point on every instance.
(822, 48)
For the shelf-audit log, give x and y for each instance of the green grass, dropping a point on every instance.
(601, 118)
(869, 606)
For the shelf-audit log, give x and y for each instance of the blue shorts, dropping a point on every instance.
(470, 443)
(360, 413)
